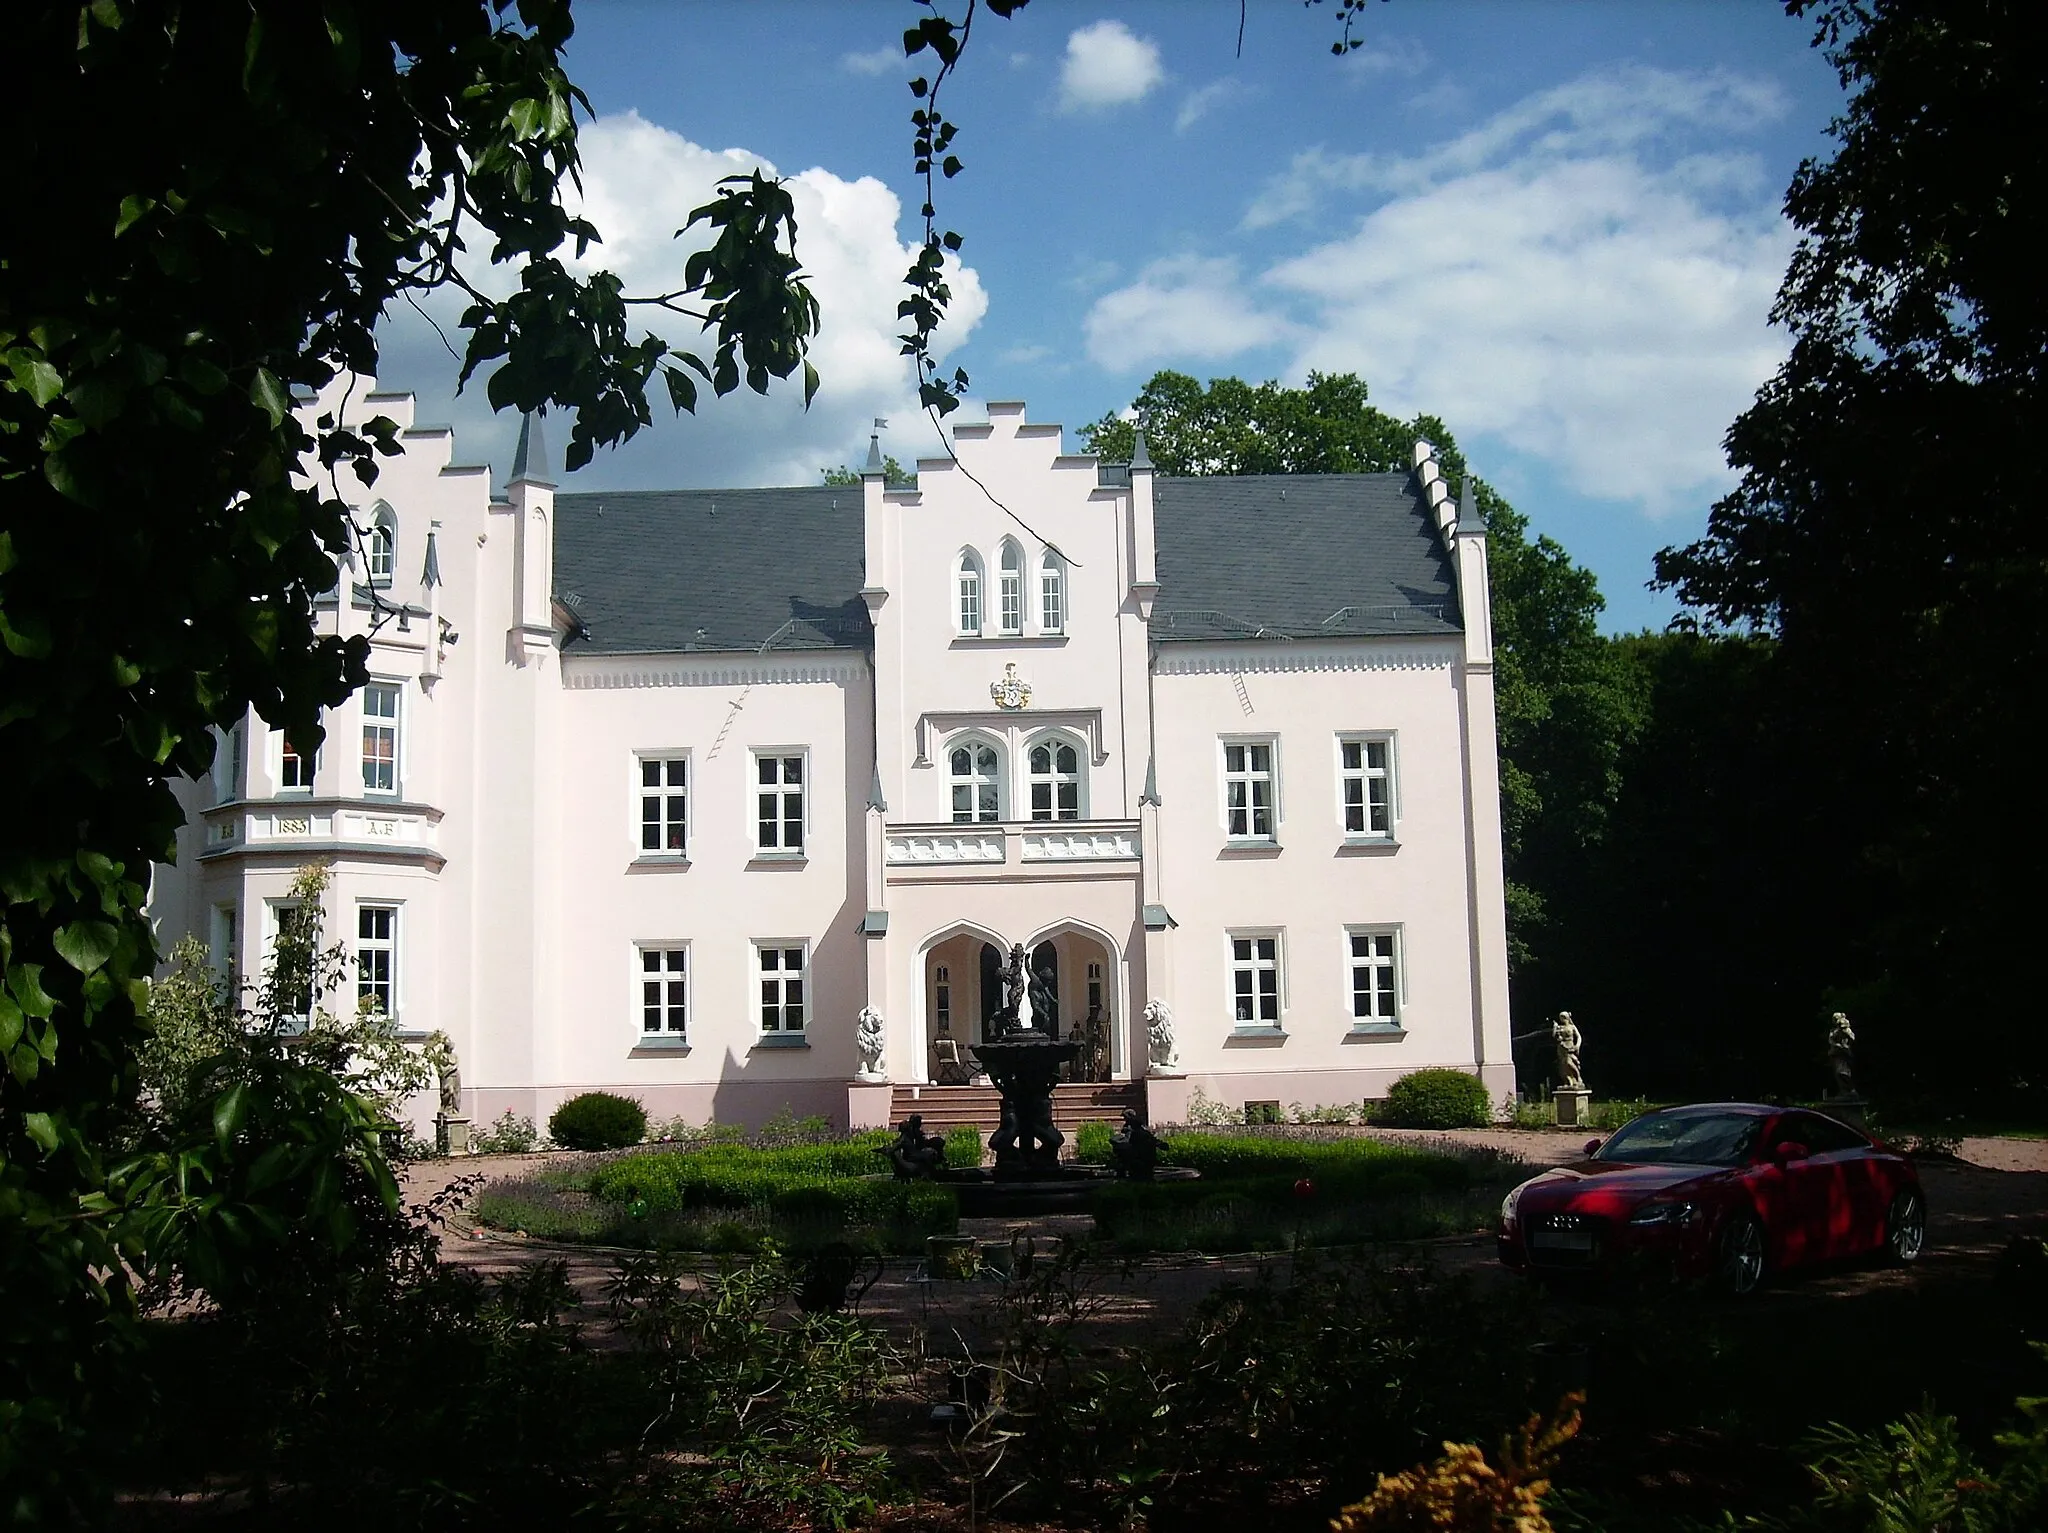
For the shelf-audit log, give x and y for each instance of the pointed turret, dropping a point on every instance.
(530, 457)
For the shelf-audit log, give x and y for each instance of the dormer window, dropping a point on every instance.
(1010, 597)
(1052, 593)
(967, 606)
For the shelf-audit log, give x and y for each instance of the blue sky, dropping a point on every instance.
(1556, 225)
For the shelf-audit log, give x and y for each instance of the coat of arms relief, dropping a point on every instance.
(1013, 691)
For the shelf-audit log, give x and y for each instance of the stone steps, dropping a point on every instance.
(945, 1107)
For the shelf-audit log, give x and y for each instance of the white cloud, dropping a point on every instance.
(1392, 55)
(1586, 277)
(1107, 65)
(876, 61)
(640, 184)
(1188, 307)
(1197, 104)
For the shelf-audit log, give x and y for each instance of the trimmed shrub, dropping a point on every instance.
(598, 1120)
(963, 1147)
(1091, 1144)
(1438, 1099)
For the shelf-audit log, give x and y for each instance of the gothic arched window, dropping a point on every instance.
(1052, 593)
(1010, 597)
(974, 771)
(967, 594)
(1054, 764)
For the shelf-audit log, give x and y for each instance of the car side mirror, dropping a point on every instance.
(1593, 1146)
(1789, 1152)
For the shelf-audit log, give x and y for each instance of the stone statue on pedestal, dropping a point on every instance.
(450, 1083)
(1841, 1058)
(1564, 1033)
(868, 1039)
(1163, 1058)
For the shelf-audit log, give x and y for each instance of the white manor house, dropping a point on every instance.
(659, 791)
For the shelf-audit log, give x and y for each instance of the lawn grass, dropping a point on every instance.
(1268, 1191)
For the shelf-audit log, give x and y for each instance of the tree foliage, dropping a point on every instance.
(1560, 715)
(1886, 526)
(215, 205)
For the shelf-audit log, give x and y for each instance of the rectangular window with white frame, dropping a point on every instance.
(1374, 963)
(663, 970)
(784, 967)
(779, 802)
(227, 763)
(1365, 774)
(380, 736)
(1251, 797)
(377, 957)
(1255, 978)
(295, 768)
(664, 799)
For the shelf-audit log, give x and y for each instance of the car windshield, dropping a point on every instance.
(1685, 1139)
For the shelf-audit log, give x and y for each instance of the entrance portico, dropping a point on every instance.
(1075, 991)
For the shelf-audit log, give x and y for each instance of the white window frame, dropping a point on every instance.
(228, 778)
(1251, 836)
(1255, 966)
(976, 740)
(1052, 593)
(281, 751)
(970, 592)
(756, 790)
(1396, 964)
(1054, 738)
(662, 793)
(1364, 775)
(380, 549)
(388, 946)
(664, 978)
(1010, 588)
(224, 944)
(394, 722)
(805, 1002)
(273, 928)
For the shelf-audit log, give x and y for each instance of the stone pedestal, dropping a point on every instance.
(868, 1104)
(451, 1134)
(1573, 1103)
(1166, 1099)
(1850, 1110)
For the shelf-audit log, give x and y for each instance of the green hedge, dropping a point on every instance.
(1352, 1161)
(1091, 1144)
(963, 1147)
(1438, 1099)
(732, 1175)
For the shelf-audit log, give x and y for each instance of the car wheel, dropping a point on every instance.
(1905, 1228)
(1739, 1256)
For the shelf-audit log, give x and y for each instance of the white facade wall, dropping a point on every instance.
(510, 842)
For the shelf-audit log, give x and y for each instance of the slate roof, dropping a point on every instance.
(1268, 556)
(647, 571)
(1298, 556)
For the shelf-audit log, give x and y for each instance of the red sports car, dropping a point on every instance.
(1727, 1191)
